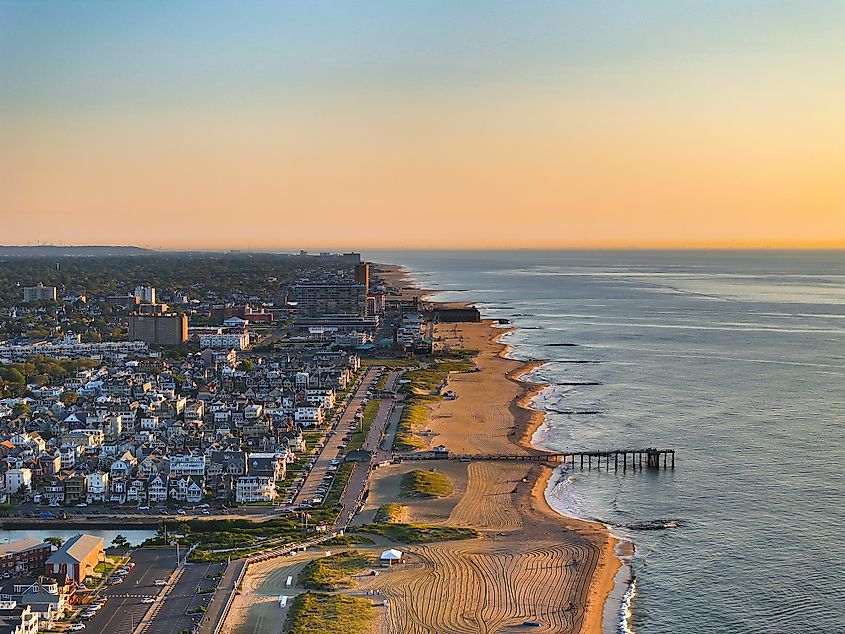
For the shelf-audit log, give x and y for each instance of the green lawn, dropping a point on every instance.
(398, 362)
(333, 572)
(317, 613)
(425, 484)
(233, 537)
(341, 477)
(358, 437)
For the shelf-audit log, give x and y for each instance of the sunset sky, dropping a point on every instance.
(636, 123)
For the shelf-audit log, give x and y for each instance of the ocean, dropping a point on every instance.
(734, 359)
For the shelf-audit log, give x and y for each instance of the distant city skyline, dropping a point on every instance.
(374, 125)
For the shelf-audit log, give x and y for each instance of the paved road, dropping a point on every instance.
(315, 478)
(360, 477)
(123, 609)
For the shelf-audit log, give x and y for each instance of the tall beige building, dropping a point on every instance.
(166, 329)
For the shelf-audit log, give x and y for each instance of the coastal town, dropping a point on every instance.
(242, 443)
(196, 415)
(89, 426)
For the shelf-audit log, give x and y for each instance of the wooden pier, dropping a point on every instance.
(649, 458)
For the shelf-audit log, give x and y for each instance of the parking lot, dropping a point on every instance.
(192, 590)
(124, 607)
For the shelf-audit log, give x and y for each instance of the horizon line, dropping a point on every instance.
(837, 246)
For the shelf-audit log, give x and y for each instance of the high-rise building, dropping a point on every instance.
(362, 274)
(375, 304)
(165, 329)
(39, 293)
(145, 294)
(318, 300)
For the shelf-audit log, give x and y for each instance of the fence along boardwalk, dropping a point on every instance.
(649, 458)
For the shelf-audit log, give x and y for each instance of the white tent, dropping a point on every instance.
(391, 556)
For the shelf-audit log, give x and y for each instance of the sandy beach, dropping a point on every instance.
(530, 562)
(572, 562)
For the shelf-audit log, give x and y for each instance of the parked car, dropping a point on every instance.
(148, 600)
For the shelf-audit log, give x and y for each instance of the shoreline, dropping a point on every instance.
(605, 580)
(528, 420)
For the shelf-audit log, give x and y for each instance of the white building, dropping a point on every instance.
(68, 454)
(59, 349)
(309, 415)
(97, 484)
(238, 340)
(157, 489)
(255, 489)
(187, 465)
(321, 396)
(17, 479)
(149, 422)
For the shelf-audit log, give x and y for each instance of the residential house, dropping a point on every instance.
(97, 487)
(253, 488)
(15, 619)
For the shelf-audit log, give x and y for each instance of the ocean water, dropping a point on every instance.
(734, 359)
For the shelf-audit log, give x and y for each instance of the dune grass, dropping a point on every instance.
(405, 440)
(425, 484)
(434, 376)
(312, 612)
(349, 540)
(333, 572)
(418, 533)
(392, 513)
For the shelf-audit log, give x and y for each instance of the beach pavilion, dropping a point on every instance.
(390, 557)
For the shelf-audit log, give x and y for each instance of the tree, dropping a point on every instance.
(55, 541)
(120, 542)
(68, 398)
(245, 365)
(12, 375)
(20, 409)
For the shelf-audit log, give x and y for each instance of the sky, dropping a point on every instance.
(474, 124)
